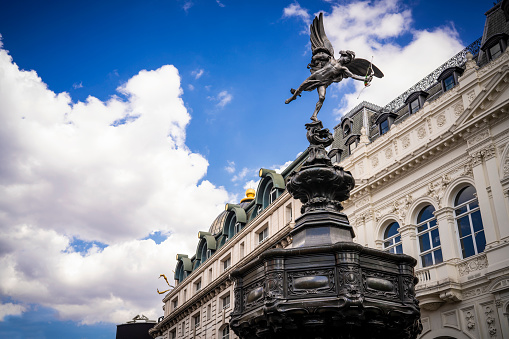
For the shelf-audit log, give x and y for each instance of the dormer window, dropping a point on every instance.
(415, 101)
(346, 130)
(449, 77)
(352, 143)
(384, 121)
(495, 45)
(384, 126)
(347, 125)
(335, 155)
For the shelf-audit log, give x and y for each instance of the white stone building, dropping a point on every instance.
(432, 181)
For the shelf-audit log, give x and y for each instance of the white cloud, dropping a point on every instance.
(222, 99)
(191, 87)
(187, 5)
(242, 174)
(220, 3)
(76, 85)
(231, 167)
(108, 171)
(294, 10)
(197, 73)
(10, 309)
(251, 184)
(369, 29)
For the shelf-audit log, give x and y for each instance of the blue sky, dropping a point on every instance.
(127, 125)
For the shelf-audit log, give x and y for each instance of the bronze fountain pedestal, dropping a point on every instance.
(325, 286)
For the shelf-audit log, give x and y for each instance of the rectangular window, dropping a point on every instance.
(226, 263)
(185, 295)
(241, 250)
(263, 235)
(183, 328)
(196, 320)
(173, 334)
(414, 106)
(449, 82)
(209, 311)
(197, 286)
(495, 51)
(226, 301)
(288, 213)
(273, 195)
(352, 147)
(210, 274)
(384, 126)
(174, 303)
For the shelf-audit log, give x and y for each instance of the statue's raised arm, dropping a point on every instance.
(325, 69)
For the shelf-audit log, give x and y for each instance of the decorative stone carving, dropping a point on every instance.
(467, 168)
(476, 158)
(470, 319)
(374, 160)
(405, 141)
(421, 132)
(458, 109)
(430, 128)
(488, 152)
(471, 97)
(490, 320)
(388, 153)
(360, 168)
(475, 264)
(311, 282)
(441, 120)
(477, 137)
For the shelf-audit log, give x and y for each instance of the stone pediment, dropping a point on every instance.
(492, 99)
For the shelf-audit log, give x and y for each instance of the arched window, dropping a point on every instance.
(429, 237)
(468, 219)
(392, 239)
(225, 333)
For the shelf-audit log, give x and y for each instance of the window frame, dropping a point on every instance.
(196, 320)
(225, 332)
(226, 263)
(392, 240)
(427, 232)
(468, 213)
(263, 235)
(223, 300)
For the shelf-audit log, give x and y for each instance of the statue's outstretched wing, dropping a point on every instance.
(362, 67)
(319, 41)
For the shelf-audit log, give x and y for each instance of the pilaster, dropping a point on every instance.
(483, 197)
(448, 233)
(409, 240)
(497, 195)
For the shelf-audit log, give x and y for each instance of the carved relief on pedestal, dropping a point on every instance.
(430, 128)
(475, 264)
(311, 282)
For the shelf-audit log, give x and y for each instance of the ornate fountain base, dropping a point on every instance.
(325, 286)
(335, 291)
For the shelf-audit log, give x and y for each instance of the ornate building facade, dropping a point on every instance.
(432, 181)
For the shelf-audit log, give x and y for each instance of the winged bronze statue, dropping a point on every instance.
(325, 69)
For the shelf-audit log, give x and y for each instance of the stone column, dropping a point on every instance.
(484, 200)
(448, 233)
(497, 195)
(409, 240)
